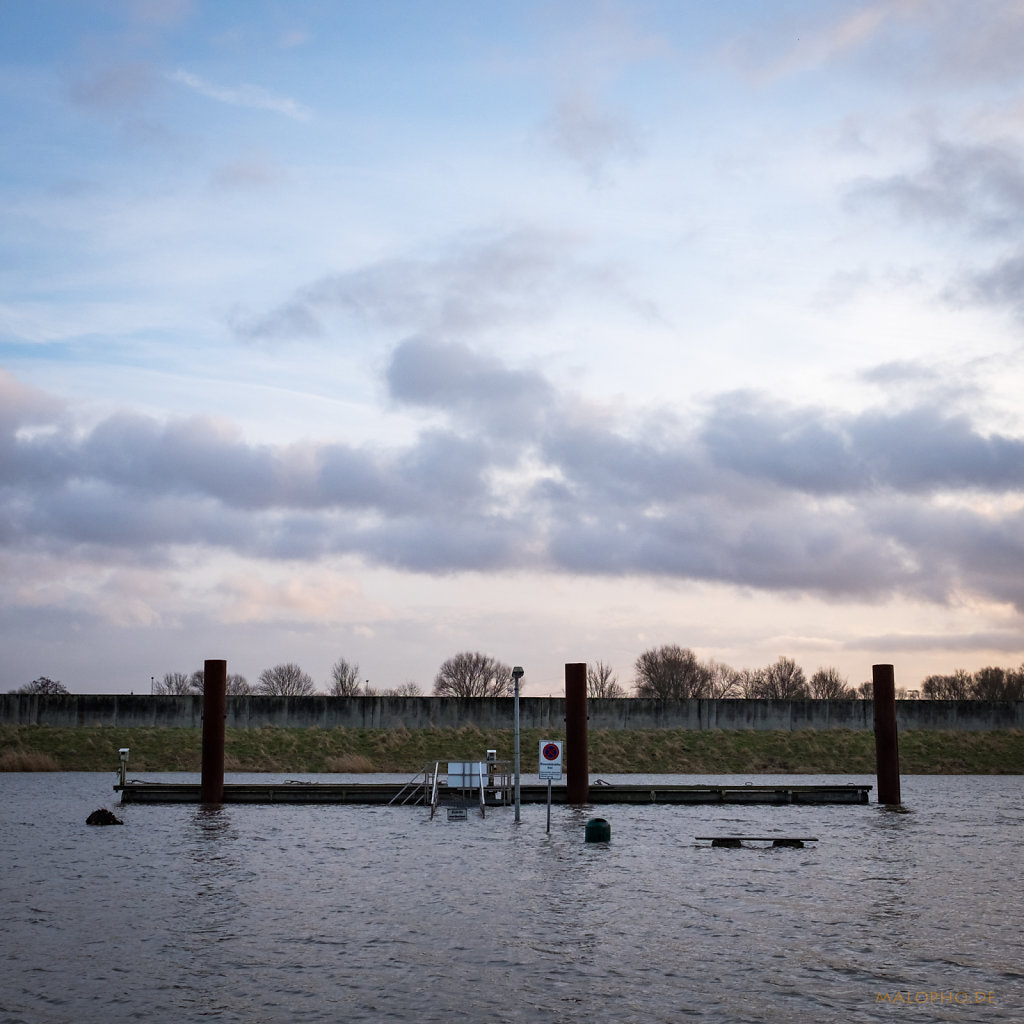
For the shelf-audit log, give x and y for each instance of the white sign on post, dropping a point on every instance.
(550, 759)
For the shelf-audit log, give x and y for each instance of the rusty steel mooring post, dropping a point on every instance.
(887, 748)
(215, 687)
(577, 756)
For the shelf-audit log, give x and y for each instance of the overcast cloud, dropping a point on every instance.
(753, 493)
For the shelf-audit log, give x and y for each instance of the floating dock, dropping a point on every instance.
(139, 792)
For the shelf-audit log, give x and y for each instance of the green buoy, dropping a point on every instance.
(598, 831)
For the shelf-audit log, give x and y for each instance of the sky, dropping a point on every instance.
(554, 330)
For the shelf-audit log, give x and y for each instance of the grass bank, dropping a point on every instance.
(42, 748)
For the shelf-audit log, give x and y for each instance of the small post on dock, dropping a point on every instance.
(887, 750)
(578, 768)
(215, 687)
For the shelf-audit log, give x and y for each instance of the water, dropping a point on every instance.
(268, 913)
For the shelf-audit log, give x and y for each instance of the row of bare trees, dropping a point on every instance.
(991, 683)
(285, 680)
(669, 672)
(672, 671)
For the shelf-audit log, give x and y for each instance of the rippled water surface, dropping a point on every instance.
(270, 913)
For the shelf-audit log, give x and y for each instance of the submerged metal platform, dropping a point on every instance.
(138, 792)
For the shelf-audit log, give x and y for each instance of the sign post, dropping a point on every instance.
(550, 767)
(517, 674)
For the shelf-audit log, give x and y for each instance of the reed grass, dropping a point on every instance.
(660, 751)
(27, 761)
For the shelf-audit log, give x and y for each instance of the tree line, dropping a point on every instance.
(674, 672)
(287, 680)
(669, 672)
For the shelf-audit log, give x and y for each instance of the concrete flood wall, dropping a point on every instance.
(129, 711)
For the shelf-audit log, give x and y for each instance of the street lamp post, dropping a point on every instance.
(517, 674)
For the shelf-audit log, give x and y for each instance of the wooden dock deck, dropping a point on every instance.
(139, 792)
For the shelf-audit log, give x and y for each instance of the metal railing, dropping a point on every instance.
(425, 787)
(416, 789)
(433, 792)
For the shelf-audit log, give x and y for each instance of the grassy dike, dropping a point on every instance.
(661, 751)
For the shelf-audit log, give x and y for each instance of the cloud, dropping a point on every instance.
(1001, 285)
(253, 171)
(902, 373)
(295, 37)
(940, 43)
(477, 283)
(160, 13)
(476, 388)
(975, 190)
(753, 493)
(24, 406)
(923, 449)
(590, 137)
(1008, 642)
(979, 188)
(114, 86)
(253, 97)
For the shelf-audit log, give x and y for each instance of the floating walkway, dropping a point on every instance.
(140, 792)
(735, 842)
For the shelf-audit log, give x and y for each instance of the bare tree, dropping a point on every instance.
(723, 682)
(783, 680)
(958, 686)
(601, 681)
(409, 689)
(866, 690)
(175, 683)
(43, 685)
(998, 684)
(472, 674)
(1014, 684)
(751, 682)
(285, 681)
(989, 683)
(238, 686)
(344, 679)
(235, 685)
(829, 684)
(671, 672)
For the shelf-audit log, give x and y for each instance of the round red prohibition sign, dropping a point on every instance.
(550, 752)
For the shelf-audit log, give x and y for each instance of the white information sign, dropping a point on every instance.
(550, 759)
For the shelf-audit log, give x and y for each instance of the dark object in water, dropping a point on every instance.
(734, 842)
(103, 817)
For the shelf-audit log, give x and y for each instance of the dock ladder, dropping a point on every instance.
(466, 784)
(417, 790)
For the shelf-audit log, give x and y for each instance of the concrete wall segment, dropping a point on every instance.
(545, 713)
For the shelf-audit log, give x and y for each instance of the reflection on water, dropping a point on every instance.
(280, 913)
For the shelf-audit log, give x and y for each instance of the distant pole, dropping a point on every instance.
(215, 687)
(887, 749)
(577, 756)
(517, 674)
